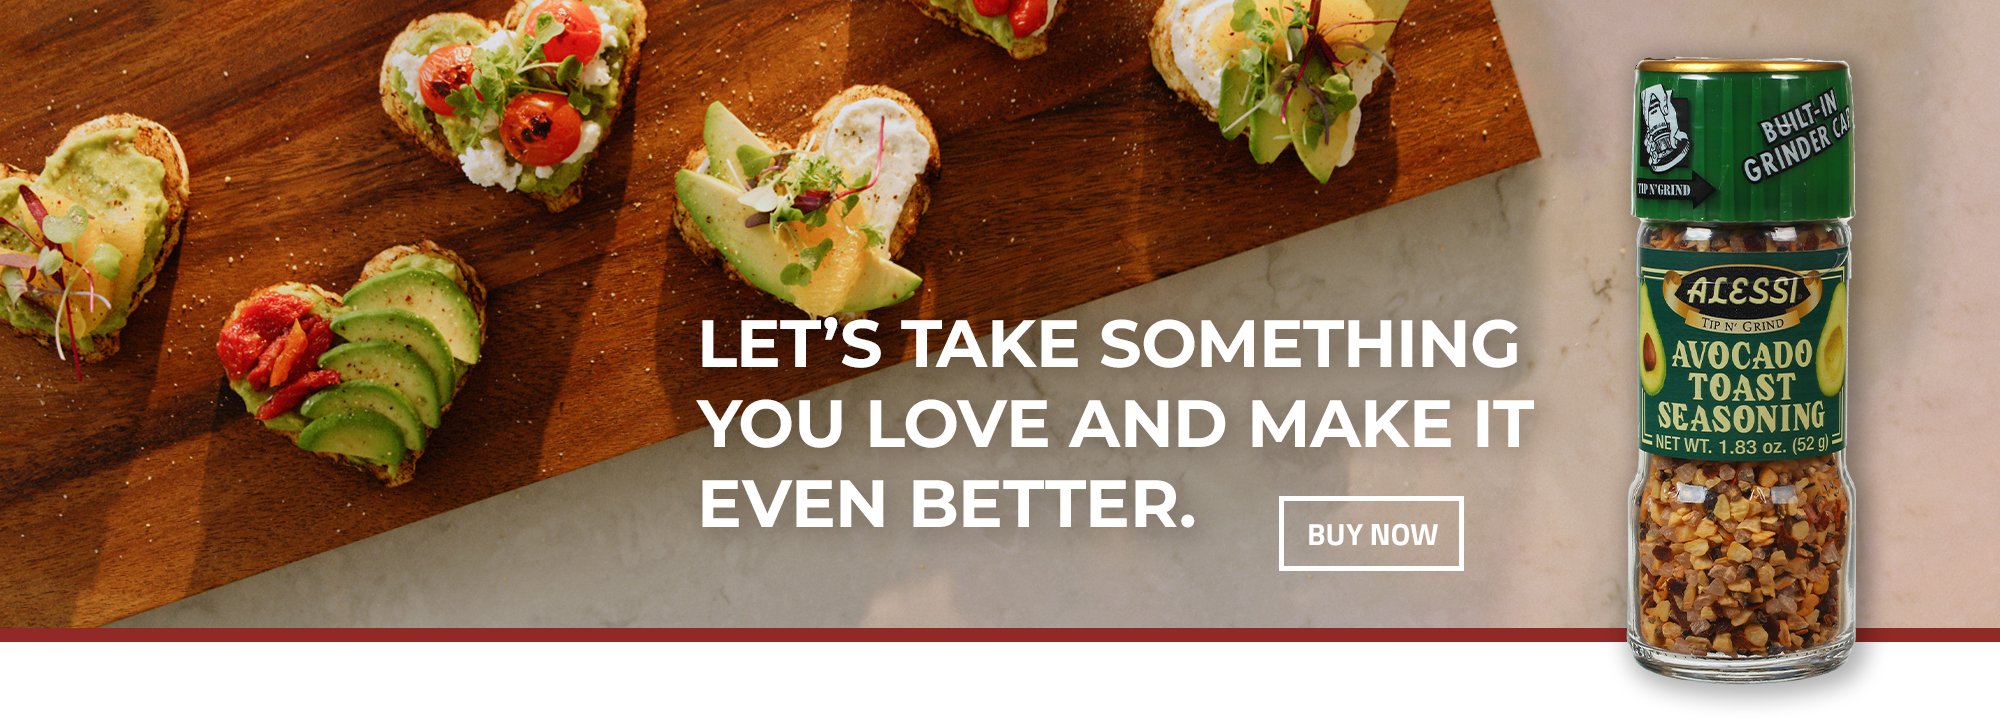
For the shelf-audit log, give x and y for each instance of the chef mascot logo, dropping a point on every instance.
(1666, 143)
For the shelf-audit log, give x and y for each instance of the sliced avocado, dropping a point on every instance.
(434, 264)
(1385, 9)
(1269, 136)
(760, 257)
(371, 396)
(1320, 154)
(1233, 114)
(755, 252)
(389, 364)
(405, 329)
(1318, 149)
(726, 137)
(429, 295)
(1652, 359)
(363, 435)
(883, 283)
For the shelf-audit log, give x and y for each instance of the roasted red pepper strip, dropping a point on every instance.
(260, 375)
(286, 364)
(246, 337)
(319, 338)
(239, 351)
(271, 313)
(288, 398)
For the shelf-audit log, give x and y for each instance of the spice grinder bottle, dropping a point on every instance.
(1742, 519)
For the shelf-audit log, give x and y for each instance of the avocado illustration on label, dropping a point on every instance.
(1652, 365)
(1832, 364)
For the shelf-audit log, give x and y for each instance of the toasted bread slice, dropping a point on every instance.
(155, 141)
(378, 265)
(913, 208)
(432, 138)
(1021, 49)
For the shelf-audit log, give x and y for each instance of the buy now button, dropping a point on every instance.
(1371, 533)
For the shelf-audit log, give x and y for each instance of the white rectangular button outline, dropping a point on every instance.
(1460, 499)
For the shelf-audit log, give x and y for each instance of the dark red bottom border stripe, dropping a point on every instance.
(913, 635)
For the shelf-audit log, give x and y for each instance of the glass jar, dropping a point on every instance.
(1742, 514)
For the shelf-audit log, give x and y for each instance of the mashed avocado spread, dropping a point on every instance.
(120, 188)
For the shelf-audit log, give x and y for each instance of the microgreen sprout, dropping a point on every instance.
(800, 185)
(499, 74)
(53, 262)
(1293, 56)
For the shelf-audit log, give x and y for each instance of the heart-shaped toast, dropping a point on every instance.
(82, 242)
(364, 377)
(818, 224)
(522, 104)
(1020, 26)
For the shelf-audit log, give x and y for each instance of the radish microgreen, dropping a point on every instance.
(800, 185)
(806, 185)
(1291, 56)
(49, 274)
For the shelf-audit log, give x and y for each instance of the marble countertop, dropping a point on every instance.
(1547, 245)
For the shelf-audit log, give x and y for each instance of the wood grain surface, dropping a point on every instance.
(1067, 177)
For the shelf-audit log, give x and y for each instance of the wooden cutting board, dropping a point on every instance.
(1067, 178)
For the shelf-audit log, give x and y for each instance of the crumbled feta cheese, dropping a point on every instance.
(595, 74)
(591, 133)
(544, 172)
(605, 28)
(409, 64)
(488, 164)
(500, 39)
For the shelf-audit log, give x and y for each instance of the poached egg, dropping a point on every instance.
(853, 140)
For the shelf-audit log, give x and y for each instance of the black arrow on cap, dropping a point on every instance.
(1692, 191)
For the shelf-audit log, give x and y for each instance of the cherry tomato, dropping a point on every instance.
(541, 129)
(580, 36)
(990, 8)
(444, 70)
(1028, 17)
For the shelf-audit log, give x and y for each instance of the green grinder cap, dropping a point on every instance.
(1733, 140)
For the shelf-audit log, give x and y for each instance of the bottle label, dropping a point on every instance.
(1743, 146)
(1742, 355)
